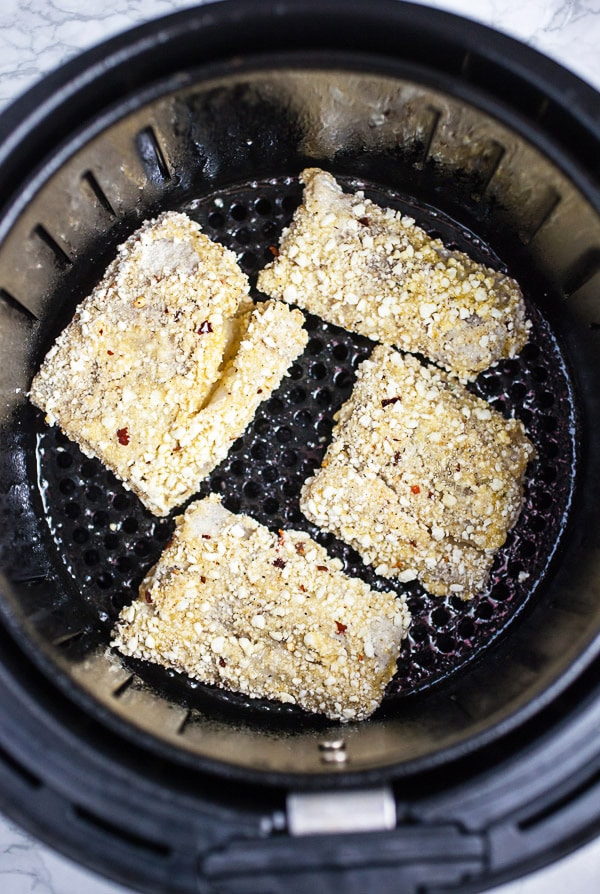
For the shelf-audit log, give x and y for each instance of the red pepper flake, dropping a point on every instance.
(148, 597)
(430, 495)
(110, 352)
(259, 390)
(390, 400)
(202, 579)
(279, 563)
(415, 489)
(302, 587)
(123, 436)
(101, 331)
(364, 221)
(206, 537)
(322, 568)
(397, 456)
(458, 467)
(274, 251)
(341, 628)
(176, 449)
(299, 548)
(205, 327)
(413, 543)
(222, 661)
(361, 657)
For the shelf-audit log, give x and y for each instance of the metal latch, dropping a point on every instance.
(333, 812)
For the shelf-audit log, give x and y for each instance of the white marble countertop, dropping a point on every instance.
(35, 37)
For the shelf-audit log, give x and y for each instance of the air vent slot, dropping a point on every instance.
(14, 304)
(91, 186)
(62, 259)
(152, 156)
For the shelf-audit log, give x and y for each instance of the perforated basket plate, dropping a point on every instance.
(108, 540)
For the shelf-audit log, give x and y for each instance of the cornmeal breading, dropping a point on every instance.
(423, 478)
(373, 271)
(139, 376)
(267, 615)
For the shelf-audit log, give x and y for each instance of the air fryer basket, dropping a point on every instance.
(426, 116)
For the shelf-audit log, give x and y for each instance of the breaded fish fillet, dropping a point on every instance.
(373, 271)
(271, 616)
(423, 478)
(166, 361)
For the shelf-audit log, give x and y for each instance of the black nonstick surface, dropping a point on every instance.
(108, 540)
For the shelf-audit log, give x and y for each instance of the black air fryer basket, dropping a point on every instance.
(484, 759)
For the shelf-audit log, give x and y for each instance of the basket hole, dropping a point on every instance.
(100, 519)
(419, 633)
(318, 371)
(125, 564)
(275, 405)
(105, 580)
(142, 548)
(111, 541)
(248, 261)
(289, 458)
(238, 212)
(297, 395)
(91, 557)
(340, 352)
(295, 371)
(323, 397)
(537, 523)
(237, 468)
(80, 535)
(446, 643)
(263, 207)
(66, 486)
(252, 490)
(500, 592)
(216, 220)
(527, 549)
(484, 610)
(545, 400)
(284, 435)
(303, 418)
(120, 502)
(64, 460)
(269, 230)
(530, 352)
(271, 505)
(88, 470)
(259, 450)
(217, 485)
(465, 628)
(262, 426)
(72, 510)
(130, 525)
(162, 531)
(315, 346)
(94, 493)
(343, 379)
(243, 236)
(440, 616)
